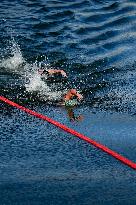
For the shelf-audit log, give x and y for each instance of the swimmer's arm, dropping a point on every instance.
(52, 71)
(79, 96)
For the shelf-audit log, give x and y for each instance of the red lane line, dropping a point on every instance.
(73, 132)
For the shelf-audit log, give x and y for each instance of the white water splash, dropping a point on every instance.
(36, 84)
(12, 63)
(28, 72)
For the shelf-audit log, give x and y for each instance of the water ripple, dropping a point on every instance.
(81, 36)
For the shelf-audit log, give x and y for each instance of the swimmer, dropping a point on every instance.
(51, 72)
(71, 99)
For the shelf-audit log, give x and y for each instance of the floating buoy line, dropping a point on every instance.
(73, 132)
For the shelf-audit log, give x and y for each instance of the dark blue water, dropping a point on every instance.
(94, 42)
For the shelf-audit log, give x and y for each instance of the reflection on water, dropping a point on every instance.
(72, 116)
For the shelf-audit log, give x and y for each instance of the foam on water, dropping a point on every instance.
(32, 80)
(44, 92)
(15, 60)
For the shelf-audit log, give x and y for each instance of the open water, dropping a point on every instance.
(94, 41)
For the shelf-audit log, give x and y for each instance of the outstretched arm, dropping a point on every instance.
(52, 71)
(77, 94)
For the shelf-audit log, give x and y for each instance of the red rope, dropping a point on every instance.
(73, 132)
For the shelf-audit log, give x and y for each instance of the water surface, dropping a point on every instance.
(94, 42)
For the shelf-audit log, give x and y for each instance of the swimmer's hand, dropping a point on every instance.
(63, 73)
(53, 71)
(79, 96)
